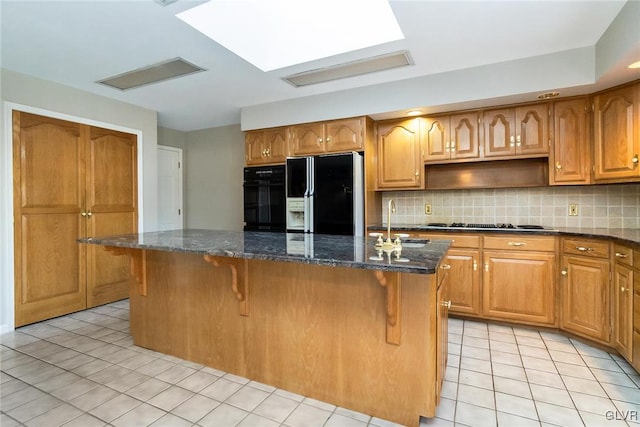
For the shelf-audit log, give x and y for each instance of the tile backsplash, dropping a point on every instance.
(601, 206)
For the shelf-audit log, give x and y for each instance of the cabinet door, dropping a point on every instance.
(344, 135)
(585, 297)
(254, 147)
(570, 159)
(437, 144)
(464, 286)
(307, 139)
(532, 133)
(399, 155)
(519, 286)
(623, 310)
(499, 133)
(464, 135)
(48, 197)
(111, 209)
(616, 128)
(276, 143)
(442, 320)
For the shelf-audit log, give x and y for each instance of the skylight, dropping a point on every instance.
(273, 34)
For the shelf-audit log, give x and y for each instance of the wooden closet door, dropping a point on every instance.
(49, 183)
(111, 183)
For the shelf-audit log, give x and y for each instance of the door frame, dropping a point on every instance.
(7, 276)
(181, 161)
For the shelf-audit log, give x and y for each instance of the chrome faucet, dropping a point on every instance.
(391, 209)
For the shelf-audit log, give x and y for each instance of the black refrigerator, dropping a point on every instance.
(325, 194)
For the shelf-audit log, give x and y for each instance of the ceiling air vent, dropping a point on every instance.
(166, 70)
(350, 69)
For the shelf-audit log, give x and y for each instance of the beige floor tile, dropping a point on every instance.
(221, 389)
(476, 416)
(223, 416)
(516, 405)
(307, 416)
(247, 398)
(148, 389)
(558, 415)
(94, 397)
(170, 398)
(196, 407)
(114, 408)
(140, 416)
(58, 416)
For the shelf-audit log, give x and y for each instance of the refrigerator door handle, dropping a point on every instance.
(311, 172)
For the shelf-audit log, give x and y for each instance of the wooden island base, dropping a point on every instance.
(366, 340)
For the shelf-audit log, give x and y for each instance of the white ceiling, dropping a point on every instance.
(77, 43)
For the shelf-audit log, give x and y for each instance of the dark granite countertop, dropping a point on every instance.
(626, 236)
(337, 251)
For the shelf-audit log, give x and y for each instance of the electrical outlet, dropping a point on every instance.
(427, 209)
(573, 209)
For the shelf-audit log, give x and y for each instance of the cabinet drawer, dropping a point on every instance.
(623, 255)
(520, 243)
(590, 248)
(458, 240)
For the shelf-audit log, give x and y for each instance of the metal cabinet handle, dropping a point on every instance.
(83, 213)
(623, 289)
(583, 249)
(564, 272)
(512, 140)
(518, 140)
(558, 165)
(486, 266)
(621, 255)
(634, 159)
(417, 173)
(446, 304)
(446, 266)
(319, 141)
(453, 147)
(475, 265)
(517, 244)
(328, 139)
(89, 214)
(447, 147)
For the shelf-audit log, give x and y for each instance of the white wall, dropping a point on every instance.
(214, 161)
(43, 97)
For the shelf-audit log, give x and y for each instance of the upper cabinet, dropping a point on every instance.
(328, 137)
(570, 158)
(519, 131)
(617, 134)
(453, 137)
(266, 146)
(400, 164)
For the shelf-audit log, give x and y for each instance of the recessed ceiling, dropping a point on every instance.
(77, 43)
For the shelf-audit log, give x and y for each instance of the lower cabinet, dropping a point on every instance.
(585, 289)
(442, 316)
(584, 294)
(623, 290)
(635, 360)
(518, 279)
(465, 290)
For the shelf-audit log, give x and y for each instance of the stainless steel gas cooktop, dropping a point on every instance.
(500, 226)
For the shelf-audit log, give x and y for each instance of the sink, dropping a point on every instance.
(414, 243)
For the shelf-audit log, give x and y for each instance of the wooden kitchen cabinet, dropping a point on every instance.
(443, 302)
(465, 291)
(635, 351)
(570, 158)
(616, 132)
(584, 288)
(519, 131)
(400, 163)
(518, 279)
(336, 136)
(623, 293)
(266, 146)
(70, 181)
(453, 137)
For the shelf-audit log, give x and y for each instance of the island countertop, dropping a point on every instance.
(319, 249)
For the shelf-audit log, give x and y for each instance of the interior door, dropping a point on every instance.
(48, 188)
(111, 183)
(170, 185)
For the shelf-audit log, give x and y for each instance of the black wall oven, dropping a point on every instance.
(264, 198)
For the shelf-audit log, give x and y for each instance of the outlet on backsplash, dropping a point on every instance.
(427, 209)
(573, 209)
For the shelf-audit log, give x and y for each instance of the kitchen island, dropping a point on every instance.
(328, 317)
